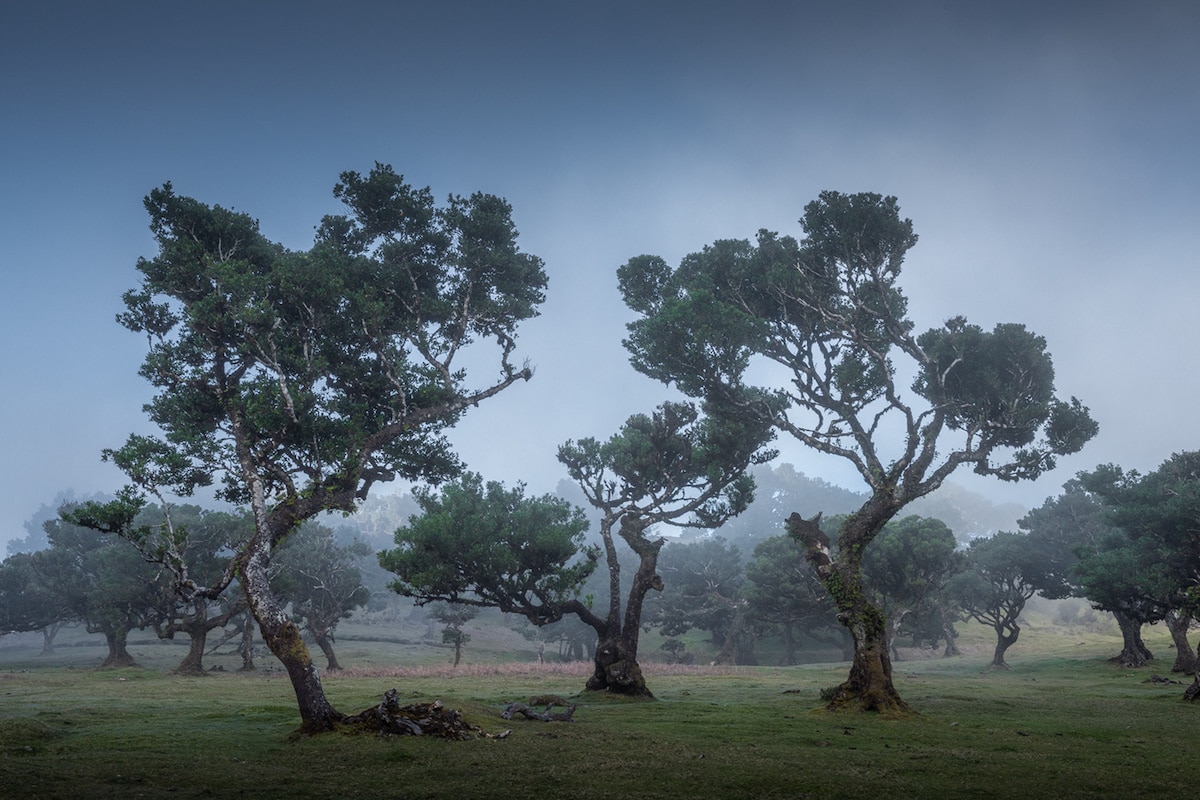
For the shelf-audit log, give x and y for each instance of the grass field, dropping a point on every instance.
(1062, 723)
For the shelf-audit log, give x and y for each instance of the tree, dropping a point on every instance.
(829, 313)
(702, 588)
(296, 381)
(907, 566)
(1160, 511)
(674, 468)
(526, 555)
(783, 589)
(995, 585)
(103, 582)
(192, 545)
(28, 603)
(322, 582)
(453, 616)
(1081, 553)
(488, 546)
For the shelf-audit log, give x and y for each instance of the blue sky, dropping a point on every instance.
(1046, 153)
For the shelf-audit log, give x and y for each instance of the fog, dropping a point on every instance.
(1046, 159)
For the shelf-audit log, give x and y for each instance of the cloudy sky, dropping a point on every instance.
(1045, 151)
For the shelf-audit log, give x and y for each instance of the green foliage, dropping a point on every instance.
(318, 373)
(29, 602)
(296, 381)
(1160, 513)
(672, 467)
(829, 310)
(910, 561)
(488, 545)
(702, 587)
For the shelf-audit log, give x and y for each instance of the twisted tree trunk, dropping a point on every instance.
(869, 686)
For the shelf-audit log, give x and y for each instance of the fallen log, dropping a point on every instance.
(541, 716)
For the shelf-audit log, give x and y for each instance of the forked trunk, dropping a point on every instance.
(48, 634)
(1133, 651)
(616, 667)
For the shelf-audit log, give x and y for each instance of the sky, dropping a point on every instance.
(1045, 151)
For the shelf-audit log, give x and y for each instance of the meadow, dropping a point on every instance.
(1062, 723)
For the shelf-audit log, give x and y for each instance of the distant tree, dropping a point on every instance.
(321, 581)
(297, 381)
(35, 532)
(1160, 512)
(783, 589)
(969, 514)
(453, 616)
(995, 585)
(780, 489)
(488, 546)
(907, 566)
(192, 545)
(28, 603)
(104, 582)
(496, 548)
(702, 589)
(1080, 553)
(829, 312)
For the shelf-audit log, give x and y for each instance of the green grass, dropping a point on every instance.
(1063, 723)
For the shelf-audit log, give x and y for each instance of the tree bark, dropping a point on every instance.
(1133, 652)
(193, 662)
(949, 632)
(283, 638)
(118, 655)
(617, 670)
(1185, 658)
(48, 634)
(869, 686)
